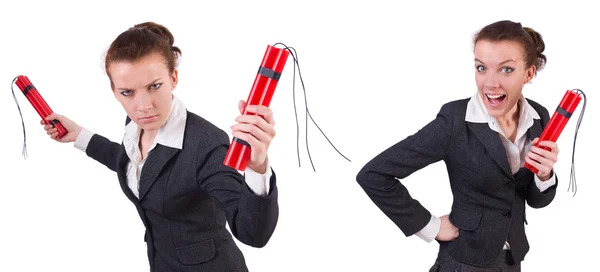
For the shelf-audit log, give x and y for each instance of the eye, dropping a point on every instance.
(155, 86)
(126, 93)
(480, 68)
(507, 70)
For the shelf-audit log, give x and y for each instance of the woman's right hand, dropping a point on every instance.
(72, 128)
(448, 232)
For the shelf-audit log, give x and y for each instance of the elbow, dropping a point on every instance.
(362, 176)
(539, 199)
(260, 243)
(536, 205)
(262, 232)
(539, 203)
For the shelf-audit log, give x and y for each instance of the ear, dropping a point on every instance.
(174, 78)
(529, 74)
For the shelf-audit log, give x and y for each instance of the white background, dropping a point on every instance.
(375, 73)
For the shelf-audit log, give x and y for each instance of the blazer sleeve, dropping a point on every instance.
(380, 177)
(535, 198)
(252, 218)
(103, 150)
(99, 147)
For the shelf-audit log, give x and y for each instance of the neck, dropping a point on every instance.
(148, 135)
(512, 116)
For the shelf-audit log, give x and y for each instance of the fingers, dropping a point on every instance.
(48, 128)
(253, 141)
(537, 152)
(258, 121)
(263, 111)
(44, 122)
(543, 168)
(241, 106)
(257, 128)
(261, 126)
(545, 157)
(548, 144)
(256, 132)
(448, 231)
(552, 145)
(53, 116)
(51, 130)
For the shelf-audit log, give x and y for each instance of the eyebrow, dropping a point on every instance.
(500, 62)
(148, 85)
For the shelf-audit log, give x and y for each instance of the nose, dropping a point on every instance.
(491, 81)
(144, 102)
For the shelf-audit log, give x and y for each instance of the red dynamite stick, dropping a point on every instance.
(261, 93)
(558, 121)
(39, 104)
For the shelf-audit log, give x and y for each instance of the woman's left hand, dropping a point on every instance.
(258, 131)
(542, 159)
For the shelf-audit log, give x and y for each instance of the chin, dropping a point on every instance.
(494, 110)
(149, 126)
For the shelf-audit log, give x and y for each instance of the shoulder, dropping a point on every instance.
(541, 110)
(455, 109)
(456, 106)
(203, 132)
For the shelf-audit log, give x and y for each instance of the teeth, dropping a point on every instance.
(494, 96)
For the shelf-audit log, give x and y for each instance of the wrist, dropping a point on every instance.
(260, 169)
(78, 131)
(544, 177)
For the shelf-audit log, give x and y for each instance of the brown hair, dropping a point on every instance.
(530, 40)
(141, 40)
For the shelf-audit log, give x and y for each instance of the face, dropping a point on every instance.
(144, 90)
(500, 74)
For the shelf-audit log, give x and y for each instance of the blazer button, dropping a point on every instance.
(507, 214)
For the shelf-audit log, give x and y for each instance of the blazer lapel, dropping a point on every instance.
(122, 162)
(535, 130)
(491, 141)
(156, 161)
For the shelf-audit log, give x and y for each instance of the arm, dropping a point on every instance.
(541, 193)
(378, 177)
(94, 145)
(431, 230)
(252, 217)
(259, 183)
(98, 148)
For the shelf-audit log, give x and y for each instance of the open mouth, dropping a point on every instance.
(495, 99)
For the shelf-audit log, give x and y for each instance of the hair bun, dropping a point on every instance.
(141, 40)
(157, 29)
(537, 39)
(540, 46)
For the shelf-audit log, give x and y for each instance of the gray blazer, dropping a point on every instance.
(187, 195)
(488, 200)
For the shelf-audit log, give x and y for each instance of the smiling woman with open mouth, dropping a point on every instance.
(485, 141)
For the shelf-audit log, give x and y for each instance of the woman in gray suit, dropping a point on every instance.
(484, 141)
(170, 163)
